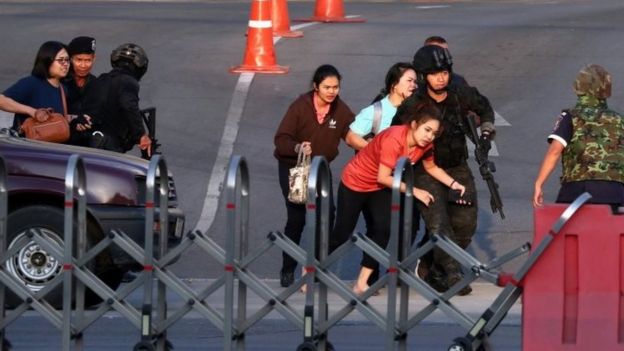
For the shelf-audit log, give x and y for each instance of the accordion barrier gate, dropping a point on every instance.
(233, 317)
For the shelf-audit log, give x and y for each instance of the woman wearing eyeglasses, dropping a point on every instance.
(42, 89)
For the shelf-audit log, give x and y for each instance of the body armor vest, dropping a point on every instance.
(450, 149)
(596, 149)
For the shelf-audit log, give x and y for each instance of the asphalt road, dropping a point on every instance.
(522, 54)
(195, 335)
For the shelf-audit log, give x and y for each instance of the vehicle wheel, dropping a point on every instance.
(485, 345)
(306, 346)
(35, 267)
(460, 344)
(144, 346)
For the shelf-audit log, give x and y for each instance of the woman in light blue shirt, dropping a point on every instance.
(400, 84)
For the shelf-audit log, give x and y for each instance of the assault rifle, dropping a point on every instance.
(149, 117)
(486, 167)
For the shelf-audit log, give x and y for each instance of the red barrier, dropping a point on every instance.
(573, 297)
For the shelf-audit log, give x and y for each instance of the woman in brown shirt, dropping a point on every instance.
(315, 122)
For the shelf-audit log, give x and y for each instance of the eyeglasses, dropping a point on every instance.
(62, 60)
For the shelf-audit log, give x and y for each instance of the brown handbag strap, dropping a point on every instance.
(63, 99)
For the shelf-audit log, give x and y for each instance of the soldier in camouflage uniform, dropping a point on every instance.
(589, 139)
(456, 220)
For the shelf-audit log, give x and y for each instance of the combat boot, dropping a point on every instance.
(287, 278)
(454, 278)
(437, 280)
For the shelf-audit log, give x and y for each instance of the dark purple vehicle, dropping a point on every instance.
(115, 200)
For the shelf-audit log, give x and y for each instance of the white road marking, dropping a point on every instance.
(230, 132)
(432, 7)
(500, 121)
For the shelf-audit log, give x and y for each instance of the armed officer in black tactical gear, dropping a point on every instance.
(446, 216)
(113, 102)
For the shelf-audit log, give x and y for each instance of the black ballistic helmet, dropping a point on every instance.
(431, 59)
(130, 54)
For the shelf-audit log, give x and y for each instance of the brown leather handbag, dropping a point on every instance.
(48, 125)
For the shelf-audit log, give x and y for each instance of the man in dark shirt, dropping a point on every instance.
(82, 55)
(81, 51)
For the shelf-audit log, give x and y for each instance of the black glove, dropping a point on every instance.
(485, 141)
(81, 119)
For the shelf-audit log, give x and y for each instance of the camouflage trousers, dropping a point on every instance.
(457, 222)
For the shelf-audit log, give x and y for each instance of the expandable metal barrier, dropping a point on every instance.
(396, 322)
(72, 322)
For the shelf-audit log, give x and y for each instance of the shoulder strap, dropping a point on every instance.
(376, 117)
(63, 99)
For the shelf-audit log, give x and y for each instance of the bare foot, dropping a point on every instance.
(359, 290)
(304, 287)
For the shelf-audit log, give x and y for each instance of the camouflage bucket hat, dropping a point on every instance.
(593, 80)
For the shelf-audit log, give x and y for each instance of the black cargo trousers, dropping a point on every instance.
(457, 222)
(296, 216)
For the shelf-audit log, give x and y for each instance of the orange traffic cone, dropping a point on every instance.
(259, 54)
(281, 22)
(330, 11)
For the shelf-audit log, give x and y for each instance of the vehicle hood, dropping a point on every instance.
(111, 178)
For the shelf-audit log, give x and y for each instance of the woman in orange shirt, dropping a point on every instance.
(367, 180)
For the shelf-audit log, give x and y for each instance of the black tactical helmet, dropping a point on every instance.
(431, 59)
(130, 53)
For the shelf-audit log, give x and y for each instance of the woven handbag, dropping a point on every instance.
(298, 180)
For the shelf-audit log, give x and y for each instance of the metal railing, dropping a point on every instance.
(237, 280)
